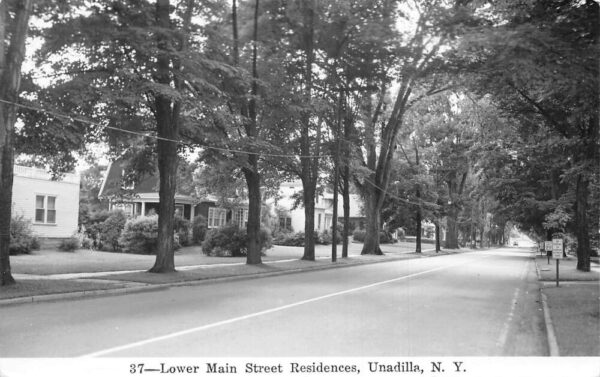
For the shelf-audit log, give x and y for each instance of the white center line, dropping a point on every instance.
(264, 312)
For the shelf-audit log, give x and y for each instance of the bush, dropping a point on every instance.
(69, 244)
(326, 238)
(384, 237)
(359, 235)
(199, 227)
(265, 239)
(288, 238)
(140, 235)
(22, 239)
(111, 229)
(182, 230)
(231, 241)
(93, 227)
(85, 242)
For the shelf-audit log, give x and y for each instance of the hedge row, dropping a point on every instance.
(112, 231)
(231, 241)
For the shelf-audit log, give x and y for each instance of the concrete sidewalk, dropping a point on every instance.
(571, 309)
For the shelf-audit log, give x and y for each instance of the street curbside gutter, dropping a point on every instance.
(552, 341)
(550, 333)
(80, 294)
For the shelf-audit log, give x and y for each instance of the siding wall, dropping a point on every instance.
(29, 182)
(324, 207)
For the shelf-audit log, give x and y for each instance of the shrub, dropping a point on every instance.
(69, 244)
(289, 239)
(111, 228)
(93, 227)
(326, 238)
(226, 241)
(140, 235)
(182, 230)
(359, 235)
(85, 242)
(231, 241)
(199, 228)
(265, 239)
(22, 239)
(384, 237)
(401, 234)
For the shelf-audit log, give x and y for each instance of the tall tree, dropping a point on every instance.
(415, 63)
(14, 24)
(151, 68)
(540, 62)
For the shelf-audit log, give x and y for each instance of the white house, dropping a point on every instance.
(293, 218)
(52, 206)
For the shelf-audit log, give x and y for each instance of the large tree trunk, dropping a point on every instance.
(419, 230)
(346, 198)
(452, 229)
(11, 59)
(309, 222)
(251, 173)
(373, 222)
(437, 236)
(309, 167)
(418, 196)
(418, 218)
(6, 181)
(166, 114)
(346, 179)
(253, 255)
(581, 225)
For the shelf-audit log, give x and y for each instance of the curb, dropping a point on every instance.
(80, 294)
(163, 286)
(552, 342)
(550, 334)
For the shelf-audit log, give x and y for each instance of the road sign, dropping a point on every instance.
(548, 245)
(557, 248)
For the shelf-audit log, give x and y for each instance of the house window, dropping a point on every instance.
(285, 222)
(240, 217)
(319, 222)
(125, 207)
(124, 184)
(45, 209)
(216, 217)
(328, 220)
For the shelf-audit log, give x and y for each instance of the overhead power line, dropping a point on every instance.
(156, 137)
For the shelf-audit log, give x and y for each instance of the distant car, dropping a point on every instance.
(515, 243)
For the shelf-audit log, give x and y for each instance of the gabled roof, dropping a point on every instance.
(113, 184)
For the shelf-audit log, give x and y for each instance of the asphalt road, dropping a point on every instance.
(484, 303)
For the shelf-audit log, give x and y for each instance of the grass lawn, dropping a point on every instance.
(567, 270)
(25, 288)
(576, 306)
(49, 262)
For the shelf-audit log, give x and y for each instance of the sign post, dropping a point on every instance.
(557, 253)
(548, 248)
